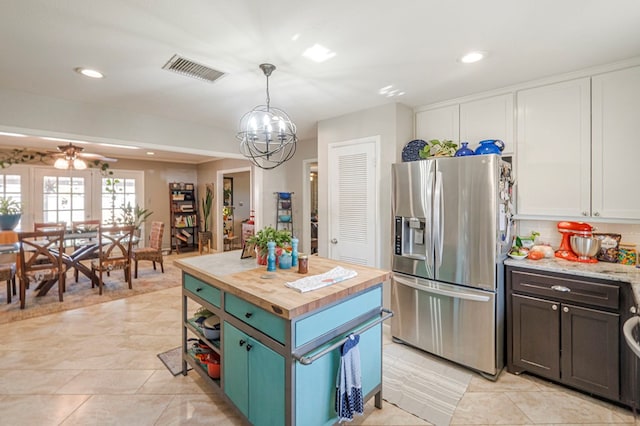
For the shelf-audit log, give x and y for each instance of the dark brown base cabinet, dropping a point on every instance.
(569, 329)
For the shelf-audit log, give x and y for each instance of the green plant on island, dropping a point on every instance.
(282, 238)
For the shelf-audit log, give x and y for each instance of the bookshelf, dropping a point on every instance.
(184, 216)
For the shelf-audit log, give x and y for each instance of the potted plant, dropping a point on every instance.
(135, 216)
(10, 213)
(282, 238)
(207, 201)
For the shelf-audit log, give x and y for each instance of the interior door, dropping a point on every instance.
(352, 195)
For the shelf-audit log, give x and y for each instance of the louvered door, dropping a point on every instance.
(353, 210)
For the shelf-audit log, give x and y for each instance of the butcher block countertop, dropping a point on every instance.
(602, 270)
(244, 279)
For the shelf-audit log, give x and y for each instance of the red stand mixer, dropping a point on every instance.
(567, 229)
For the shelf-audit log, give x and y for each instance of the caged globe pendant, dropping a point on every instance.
(267, 135)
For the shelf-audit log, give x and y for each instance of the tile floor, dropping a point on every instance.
(98, 366)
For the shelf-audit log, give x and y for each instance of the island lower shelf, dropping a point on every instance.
(277, 370)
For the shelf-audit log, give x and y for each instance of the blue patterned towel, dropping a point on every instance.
(348, 384)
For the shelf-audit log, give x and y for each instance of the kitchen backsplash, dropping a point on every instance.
(549, 232)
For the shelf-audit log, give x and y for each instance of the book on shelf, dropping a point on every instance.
(186, 208)
(186, 233)
(181, 237)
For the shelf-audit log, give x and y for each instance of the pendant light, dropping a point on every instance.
(267, 135)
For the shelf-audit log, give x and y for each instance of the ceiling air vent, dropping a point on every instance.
(191, 69)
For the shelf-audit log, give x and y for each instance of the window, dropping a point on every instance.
(63, 199)
(10, 186)
(118, 199)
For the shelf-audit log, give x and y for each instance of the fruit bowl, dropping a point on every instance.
(518, 256)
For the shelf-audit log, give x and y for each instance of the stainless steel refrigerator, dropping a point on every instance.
(452, 232)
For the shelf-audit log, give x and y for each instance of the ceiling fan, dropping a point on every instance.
(71, 156)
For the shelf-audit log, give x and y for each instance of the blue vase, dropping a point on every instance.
(285, 260)
(490, 146)
(464, 150)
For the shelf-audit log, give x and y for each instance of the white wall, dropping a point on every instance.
(394, 124)
(40, 115)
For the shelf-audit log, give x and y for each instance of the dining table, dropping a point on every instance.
(87, 248)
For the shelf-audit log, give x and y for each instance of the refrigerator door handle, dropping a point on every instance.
(429, 228)
(438, 213)
(440, 291)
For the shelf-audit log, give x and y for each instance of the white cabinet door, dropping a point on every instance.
(439, 123)
(553, 149)
(616, 147)
(490, 118)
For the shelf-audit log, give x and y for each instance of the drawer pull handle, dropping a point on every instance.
(242, 342)
(199, 289)
(249, 348)
(560, 288)
(554, 307)
(248, 315)
(565, 309)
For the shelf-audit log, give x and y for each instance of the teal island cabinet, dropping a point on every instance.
(279, 349)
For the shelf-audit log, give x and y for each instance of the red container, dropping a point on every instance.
(213, 365)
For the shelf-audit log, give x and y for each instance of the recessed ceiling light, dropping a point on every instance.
(88, 72)
(472, 57)
(295, 37)
(17, 135)
(318, 53)
(151, 153)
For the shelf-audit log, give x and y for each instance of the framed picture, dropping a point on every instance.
(248, 250)
(227, 188)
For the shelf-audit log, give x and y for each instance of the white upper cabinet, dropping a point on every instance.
(616, 144)
(489, 118)
(439, 123)
(553, 150)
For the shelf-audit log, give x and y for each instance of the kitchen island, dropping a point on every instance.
(279, 349)
(565, 323)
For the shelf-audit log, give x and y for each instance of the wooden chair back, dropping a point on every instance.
(115, 246)
(40, 259)
(49, 226)
(116, 243)
(156, 234)
(85, 225)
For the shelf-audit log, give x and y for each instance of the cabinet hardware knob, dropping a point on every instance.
(565, 309)
(199, 289)
(334, 241)
(560, 288)
(248, 315)
(554, 307)
(596, 214)
(249, 347)
(242, 342)
(585, 214)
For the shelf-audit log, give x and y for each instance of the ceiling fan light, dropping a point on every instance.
(61, 163)
(79, 164)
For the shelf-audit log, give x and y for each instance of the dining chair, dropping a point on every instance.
(115, 252)
(8, 262)
(84, 227)
(40, 260)
(152, 253)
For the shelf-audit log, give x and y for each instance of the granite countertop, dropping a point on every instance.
(243, 278)
(602, 270)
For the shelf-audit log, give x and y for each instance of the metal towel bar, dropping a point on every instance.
(306, 360)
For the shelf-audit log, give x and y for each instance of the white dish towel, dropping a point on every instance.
(314, 282)
(349, 399)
